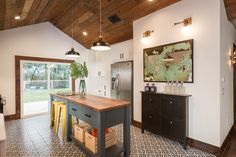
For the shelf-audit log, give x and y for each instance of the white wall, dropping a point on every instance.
(40, 40)
(204, 107)
(227, 38)
(102, 63)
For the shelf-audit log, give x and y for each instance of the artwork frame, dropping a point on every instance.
(184, 48)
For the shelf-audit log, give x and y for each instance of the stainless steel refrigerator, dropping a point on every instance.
(122, 81)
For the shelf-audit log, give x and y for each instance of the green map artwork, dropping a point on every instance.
(172, 62)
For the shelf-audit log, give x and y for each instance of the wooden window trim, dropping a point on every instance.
(18, 59)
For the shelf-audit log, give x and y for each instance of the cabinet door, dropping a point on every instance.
(150, 101)
(151, 109)
(174, 129)
(173, 117)
(173, 107)
(151, 121)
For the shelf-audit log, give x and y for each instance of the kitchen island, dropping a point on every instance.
(100, 113)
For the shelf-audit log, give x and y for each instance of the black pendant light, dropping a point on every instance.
(72, 53)
(100, 45)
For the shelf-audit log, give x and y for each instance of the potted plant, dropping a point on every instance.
(80, 71)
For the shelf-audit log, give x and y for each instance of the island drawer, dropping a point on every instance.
(85, 114)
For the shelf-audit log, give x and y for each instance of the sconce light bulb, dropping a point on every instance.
(186, 30)
(144, 40)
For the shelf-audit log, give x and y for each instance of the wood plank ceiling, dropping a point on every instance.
(230, 6)
(85, 14)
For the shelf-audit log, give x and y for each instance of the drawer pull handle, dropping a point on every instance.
(87, 115)
(74, 109)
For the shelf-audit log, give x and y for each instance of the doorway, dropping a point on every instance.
(38, 80)
(46, 65)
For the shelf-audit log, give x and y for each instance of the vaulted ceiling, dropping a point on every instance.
(85, 14)
(230, 6)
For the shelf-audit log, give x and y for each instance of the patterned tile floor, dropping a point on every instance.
(32, 137)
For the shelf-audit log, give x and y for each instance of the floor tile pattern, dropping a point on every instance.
(32, 137)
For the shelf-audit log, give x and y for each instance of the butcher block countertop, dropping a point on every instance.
(95, 102)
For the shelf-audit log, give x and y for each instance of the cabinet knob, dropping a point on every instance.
(171, 122)
(150, 117)
(171, 102)
(150, 99)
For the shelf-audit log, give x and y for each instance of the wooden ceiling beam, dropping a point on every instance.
(39, 10)
(26, 9)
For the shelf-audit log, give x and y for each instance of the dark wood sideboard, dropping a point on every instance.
(166, 115)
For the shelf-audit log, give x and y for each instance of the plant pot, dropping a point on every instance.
(82, 88)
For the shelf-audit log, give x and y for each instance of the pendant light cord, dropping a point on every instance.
(100, 35)
(72, 30)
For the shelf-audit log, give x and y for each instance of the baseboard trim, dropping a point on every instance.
(11, 117)
(217, 151)
(137, 124)
(204, 147)
(227, 141)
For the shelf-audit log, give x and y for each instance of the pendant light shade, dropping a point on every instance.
(100, 45)
(72, 53)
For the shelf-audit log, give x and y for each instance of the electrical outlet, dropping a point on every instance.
(222, 91)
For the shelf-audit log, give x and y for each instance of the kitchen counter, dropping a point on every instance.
(100, 113)
(95, 102)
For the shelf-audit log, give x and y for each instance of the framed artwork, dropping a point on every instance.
(171, 62)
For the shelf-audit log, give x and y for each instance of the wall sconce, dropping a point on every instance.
(186, 29)
(233, 56)
(146, 36)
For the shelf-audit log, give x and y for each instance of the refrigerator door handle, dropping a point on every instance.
(117, 85)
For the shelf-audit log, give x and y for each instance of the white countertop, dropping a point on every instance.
(2, 128)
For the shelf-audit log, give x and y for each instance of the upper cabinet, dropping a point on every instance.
(125, 55)
(122, 52)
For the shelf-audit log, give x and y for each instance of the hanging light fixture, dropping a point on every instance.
(100, 45)
(72, 53)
